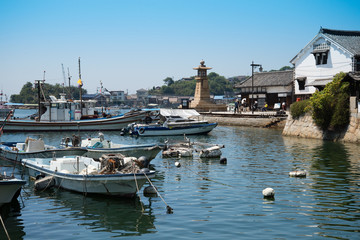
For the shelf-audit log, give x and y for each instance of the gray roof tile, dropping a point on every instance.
(266, 79)
(350, 40)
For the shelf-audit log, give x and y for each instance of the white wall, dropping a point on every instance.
(305, 66)
(279, 89)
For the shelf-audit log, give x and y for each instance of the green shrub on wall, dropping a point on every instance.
(330, 107)
(297, 109)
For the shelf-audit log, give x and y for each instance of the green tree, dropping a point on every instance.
(218, 86)
(168, 81)
(330, 107)
(29, 94)
(285, 68)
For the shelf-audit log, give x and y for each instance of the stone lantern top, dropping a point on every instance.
(202, 66)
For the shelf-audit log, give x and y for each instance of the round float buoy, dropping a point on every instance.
(177, 164)
(150, 190)
(297, 173)
(223, 160)
(268, 193)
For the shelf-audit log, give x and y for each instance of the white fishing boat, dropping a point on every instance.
(67, 115)
(10, 188)
(96, 147)
(4, 109)
(174, 122)
(116, 176)
(31, 148)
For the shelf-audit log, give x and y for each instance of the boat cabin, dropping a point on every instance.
(66, 110)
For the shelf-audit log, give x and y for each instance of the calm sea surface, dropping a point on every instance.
(209, 200)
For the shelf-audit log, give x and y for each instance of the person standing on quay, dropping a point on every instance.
(236, 109)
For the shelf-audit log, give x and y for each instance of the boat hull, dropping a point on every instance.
(9, 189)
(121, 185)
(7, 153)
(164, 131)
(103, 124)
(150, 151)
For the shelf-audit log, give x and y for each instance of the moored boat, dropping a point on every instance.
(9, 188)
(31, 148)
(67, 115)
(116, 176)
(174, 122)
(96, 147)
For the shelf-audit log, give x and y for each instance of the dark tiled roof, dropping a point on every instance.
(267, 79)
(350, 40)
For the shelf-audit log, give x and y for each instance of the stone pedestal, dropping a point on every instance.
(202, 102)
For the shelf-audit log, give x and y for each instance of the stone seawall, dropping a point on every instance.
(305, 127)
(274, 122)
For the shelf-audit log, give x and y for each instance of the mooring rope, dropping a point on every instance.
(168, 208)
(137, 187)
(48, 184)
(2, 222)
(208, 179)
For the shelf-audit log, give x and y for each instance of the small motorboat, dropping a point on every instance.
(174, 122)
(10, 188)
(97, 146)
(35, 148)
(113, 175)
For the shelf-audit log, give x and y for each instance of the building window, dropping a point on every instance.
(321, 58)
(301, 85)
(301, 82)
(357, 64)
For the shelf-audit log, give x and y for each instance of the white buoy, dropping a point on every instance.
(268, 192)
(297, 173)
(177, 164)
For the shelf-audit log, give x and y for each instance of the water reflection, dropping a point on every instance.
(11, 213)
(332, 188)
(121, 216)
(206, 194)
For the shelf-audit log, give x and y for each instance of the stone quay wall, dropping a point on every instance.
(305, 127)
(238, 120)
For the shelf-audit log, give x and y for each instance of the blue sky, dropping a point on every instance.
(133, 44)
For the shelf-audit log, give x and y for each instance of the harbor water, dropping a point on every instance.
(210, 200)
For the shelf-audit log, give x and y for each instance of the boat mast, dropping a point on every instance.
(80, 90)
(63, 71)
(38, 83)
(69, 77)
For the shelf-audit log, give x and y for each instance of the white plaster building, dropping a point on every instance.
(328, 53)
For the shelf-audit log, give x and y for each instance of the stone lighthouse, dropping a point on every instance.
(202, 101)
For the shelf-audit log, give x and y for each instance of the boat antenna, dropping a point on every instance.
(63, 71)
(69, 78)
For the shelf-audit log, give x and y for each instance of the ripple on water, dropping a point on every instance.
(215, 201)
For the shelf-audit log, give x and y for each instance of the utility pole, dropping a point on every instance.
(253, 65)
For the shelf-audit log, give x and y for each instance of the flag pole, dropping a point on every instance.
(81, 112)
